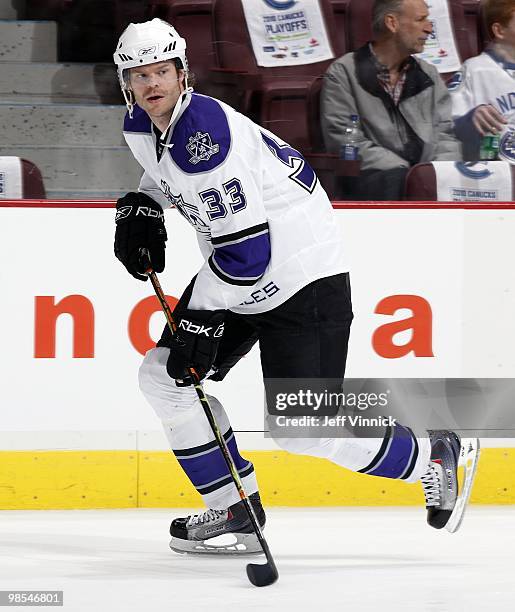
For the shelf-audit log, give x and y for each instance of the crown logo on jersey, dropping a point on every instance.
(189, 211)
(201, 148)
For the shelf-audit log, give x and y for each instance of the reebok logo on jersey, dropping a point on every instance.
(150, 212)
(123, 213)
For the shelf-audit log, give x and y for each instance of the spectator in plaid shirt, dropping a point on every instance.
(403, 104)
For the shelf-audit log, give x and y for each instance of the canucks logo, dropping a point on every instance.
(474, 170)
(456, 82)
(201, 148)
(507, 145)
(280, 5)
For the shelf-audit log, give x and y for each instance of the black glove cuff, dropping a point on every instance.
(205, 324)
(195, 343)
(138, 206)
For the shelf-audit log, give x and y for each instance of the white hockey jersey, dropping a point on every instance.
(484, 79)
(264, 224)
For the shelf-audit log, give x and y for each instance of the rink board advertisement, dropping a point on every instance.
(433, 296)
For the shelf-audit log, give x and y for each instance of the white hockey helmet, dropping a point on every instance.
(147, 43)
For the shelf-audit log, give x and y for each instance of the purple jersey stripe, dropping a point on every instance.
(140, 122)
(247, 259)
(201, 136)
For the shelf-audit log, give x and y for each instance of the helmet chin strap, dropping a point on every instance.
(129, 100)
(177, 108)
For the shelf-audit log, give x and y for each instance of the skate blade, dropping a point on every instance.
(226, 544)
(469, 459)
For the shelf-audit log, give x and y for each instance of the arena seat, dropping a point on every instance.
(474, 7)
(465, 36)
(128, 11)
(20, 178)
(359, 23)
(421, 181)
(192, 19)
(271, 96)
(46, 9)
(473, 24)
(340, 8)
(87, 31)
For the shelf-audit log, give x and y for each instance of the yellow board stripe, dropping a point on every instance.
(153, 479)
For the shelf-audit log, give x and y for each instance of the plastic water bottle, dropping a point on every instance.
(489, 149)
(350, 148)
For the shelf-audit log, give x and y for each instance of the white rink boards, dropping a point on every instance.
(457, 264)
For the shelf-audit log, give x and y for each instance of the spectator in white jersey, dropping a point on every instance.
(402, 102)
(275, 273)
(483, 91)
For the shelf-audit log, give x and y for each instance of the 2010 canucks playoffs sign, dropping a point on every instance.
(440, 48)
(480, 181)
(287, 32)
(11, 183)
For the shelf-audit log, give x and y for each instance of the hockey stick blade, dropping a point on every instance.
(262, 575)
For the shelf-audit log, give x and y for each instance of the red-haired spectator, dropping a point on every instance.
(483, 91)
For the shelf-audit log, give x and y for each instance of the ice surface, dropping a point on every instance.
(348, 559)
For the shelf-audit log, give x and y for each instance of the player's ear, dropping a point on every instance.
(127, 79)
(497, 30)
(391, 23)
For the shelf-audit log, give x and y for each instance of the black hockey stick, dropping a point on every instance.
(259, 574)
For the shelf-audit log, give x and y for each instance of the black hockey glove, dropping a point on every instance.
(139, 224)
(195, 344)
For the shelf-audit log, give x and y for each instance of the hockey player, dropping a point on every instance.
(274, 273)
(483, 91)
